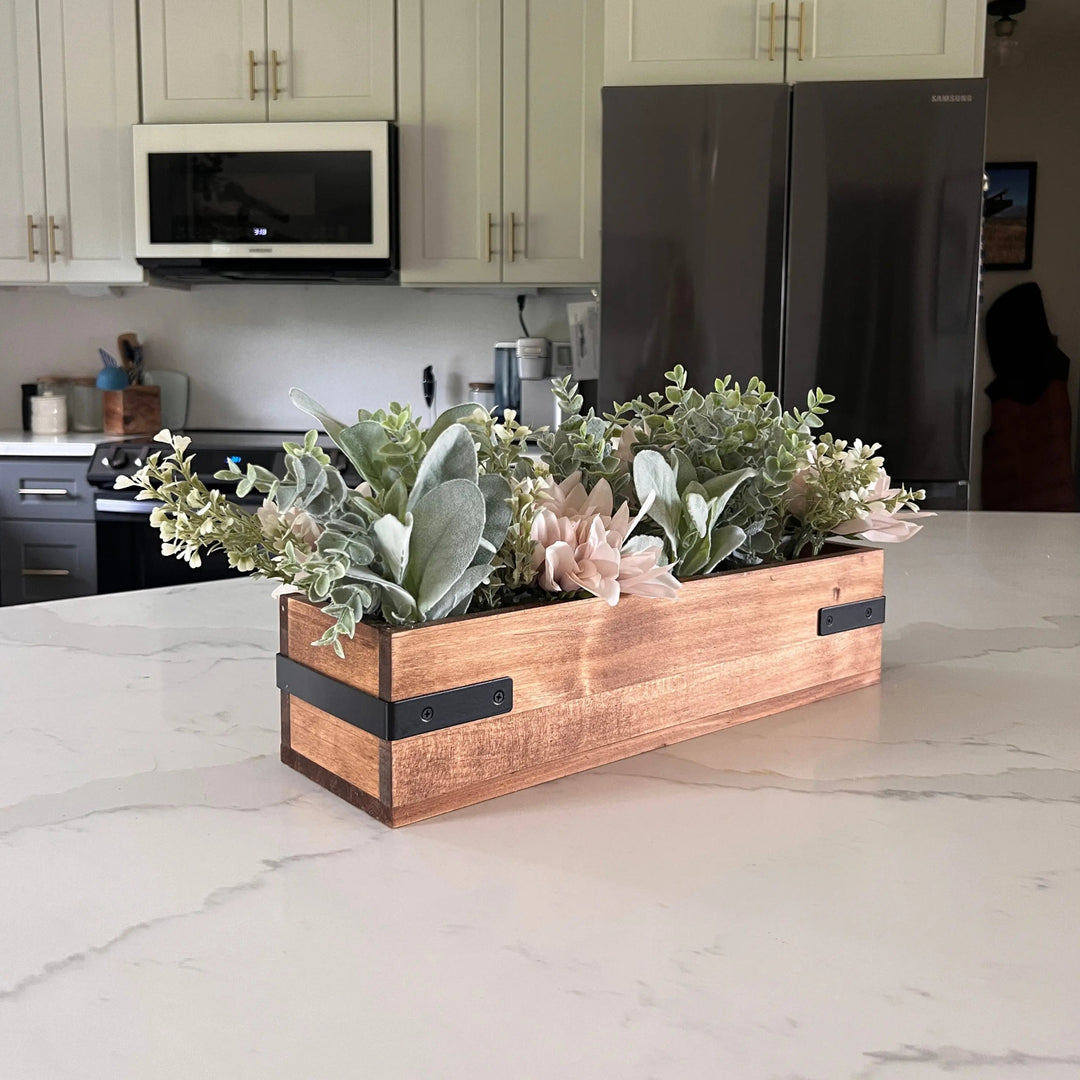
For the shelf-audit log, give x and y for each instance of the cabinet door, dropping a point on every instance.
(22, 170)
(450, 107)
(90, 99)
(660, 42)
(881, 39)
(203, 61)
(335, 59)
(552, 70)
(46, 560)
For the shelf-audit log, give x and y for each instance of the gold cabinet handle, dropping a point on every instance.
(772, 31)
(511, 249)
(802, 29)
(487, 238)
(275, 63)
(45, 573)
(31, 250)
(252, 65)
(53, 230)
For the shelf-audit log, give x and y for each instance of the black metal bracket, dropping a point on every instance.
(841, 617)
(394, 719)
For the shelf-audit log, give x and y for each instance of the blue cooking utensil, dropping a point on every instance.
(107, 358)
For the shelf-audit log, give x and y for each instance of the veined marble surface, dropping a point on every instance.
(884, 886)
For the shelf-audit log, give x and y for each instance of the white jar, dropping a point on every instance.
(48, 414)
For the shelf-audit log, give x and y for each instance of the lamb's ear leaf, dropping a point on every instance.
(723, 487)
(460, 593)
(392, 540)
(452, 456)
(722, 542)
(306, 403)
(697, 509)
(685, 473)
(361, 443)
(653, 474)
(496, 492)
(448, 523)
(454, 415)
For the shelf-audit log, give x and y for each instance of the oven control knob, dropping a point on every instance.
(118, 458)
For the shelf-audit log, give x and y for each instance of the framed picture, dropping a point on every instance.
(1009, 215)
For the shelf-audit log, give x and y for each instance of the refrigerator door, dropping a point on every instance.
(883, 267)
(693, 235)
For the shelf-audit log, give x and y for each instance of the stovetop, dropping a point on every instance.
(212, 449)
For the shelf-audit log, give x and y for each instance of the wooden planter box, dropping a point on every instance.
(567, 686)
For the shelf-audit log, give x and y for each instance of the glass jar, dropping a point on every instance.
(483, 393)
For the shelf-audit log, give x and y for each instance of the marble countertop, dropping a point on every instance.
(884, 885)
(73, 444)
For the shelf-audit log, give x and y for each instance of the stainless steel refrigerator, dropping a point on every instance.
(825, 234)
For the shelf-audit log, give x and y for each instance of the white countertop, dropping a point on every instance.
(884, 885)
(75, 444)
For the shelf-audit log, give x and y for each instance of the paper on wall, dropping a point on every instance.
(585, 339)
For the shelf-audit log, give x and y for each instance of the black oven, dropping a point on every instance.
(128, 546)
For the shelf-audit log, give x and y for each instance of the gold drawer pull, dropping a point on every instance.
(275, 63)
(31, 250)
(802, 30)
(53, 230)
(252, 65)
(487, 239)
(772, 31)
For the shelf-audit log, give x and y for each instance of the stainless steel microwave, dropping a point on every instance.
(263, 200)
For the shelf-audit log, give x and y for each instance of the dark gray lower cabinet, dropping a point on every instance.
(46, 560)
(48, 543)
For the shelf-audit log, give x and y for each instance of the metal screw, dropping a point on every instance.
(869, 612)
(498, 697)
(828, 620)
(427, 713)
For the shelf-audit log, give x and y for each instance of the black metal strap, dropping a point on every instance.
(394, 719)
(841, 617)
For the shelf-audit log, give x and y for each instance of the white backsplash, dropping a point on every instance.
(245, 345)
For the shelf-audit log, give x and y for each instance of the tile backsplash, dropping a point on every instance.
(245, 345)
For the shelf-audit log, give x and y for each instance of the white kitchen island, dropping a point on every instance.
(884, 885)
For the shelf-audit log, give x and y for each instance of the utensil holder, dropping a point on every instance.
(134, 411)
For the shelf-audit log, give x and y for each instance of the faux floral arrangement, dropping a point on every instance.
(460, 517)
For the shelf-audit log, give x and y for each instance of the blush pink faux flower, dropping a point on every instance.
(880, 525)
(580, 544)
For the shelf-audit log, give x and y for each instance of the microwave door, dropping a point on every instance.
(282, 194)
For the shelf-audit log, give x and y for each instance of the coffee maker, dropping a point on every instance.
(523, 372)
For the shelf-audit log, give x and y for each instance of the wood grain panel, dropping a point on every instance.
(616, 751)
(306, 623)
(438, 762)
(341, 748)
(561, 652)
(335, 785)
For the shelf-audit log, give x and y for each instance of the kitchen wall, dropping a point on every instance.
(1033, 113)
(245, 345)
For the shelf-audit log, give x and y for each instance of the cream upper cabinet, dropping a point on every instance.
(331, 59)
(499, 135)
(883, 39)
(22, 168)
(552, 71)
(449, 139)
(211, 61)
(664, 42)
(649, 42)
(69, 94)
(203, 61)
(89, 101)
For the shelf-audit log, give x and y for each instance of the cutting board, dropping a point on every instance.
(174, 396)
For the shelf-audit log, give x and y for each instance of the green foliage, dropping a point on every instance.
(443, 517)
